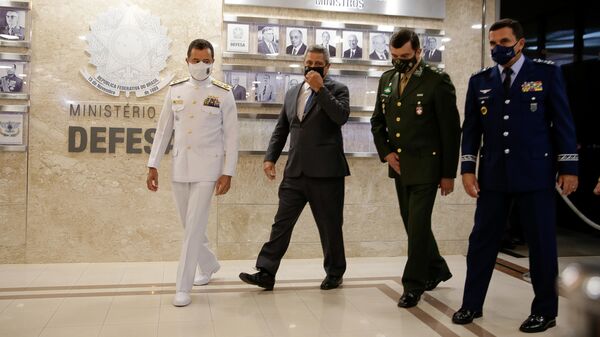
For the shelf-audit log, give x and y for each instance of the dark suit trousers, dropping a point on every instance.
(538, 215)
(424, 261)
(326, 199)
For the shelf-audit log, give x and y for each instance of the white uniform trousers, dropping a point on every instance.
(193, 204)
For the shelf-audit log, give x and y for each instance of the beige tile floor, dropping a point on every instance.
(134, 299)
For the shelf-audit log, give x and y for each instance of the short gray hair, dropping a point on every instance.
(319, 49)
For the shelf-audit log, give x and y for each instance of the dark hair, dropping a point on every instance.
(516, 27)
(319, 49)
(402, 36)
(201, 44)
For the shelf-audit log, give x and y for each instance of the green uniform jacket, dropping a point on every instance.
(422, 125)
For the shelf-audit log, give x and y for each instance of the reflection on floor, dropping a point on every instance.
(134, 299)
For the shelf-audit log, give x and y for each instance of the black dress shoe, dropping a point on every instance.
(409, 299)
(537, 323)
(261, 279)
(331, 282)
(430, 285)
(465, 316)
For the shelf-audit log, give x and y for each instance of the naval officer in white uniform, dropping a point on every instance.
(202, 112)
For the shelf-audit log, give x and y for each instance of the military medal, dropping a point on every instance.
(483, 110)
(532, 86)
(419, 109)
(177, 101)
(212, 101)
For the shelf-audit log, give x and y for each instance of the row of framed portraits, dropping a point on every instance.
(290, 38)
(254, 85)
(13, 127)
(15, 23)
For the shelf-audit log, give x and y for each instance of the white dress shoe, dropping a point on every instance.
(203, 279)
(182, 299)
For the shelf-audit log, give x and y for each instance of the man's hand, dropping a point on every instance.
(597, 189)
(152, 179)
(269, 168)
(567, 183)
(446, 186)
(223, 184)
(394, 161)
(314, 80)
(470, 184)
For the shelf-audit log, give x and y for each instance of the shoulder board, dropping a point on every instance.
(434, 68)
(178, 81)
(486, 69)
(540, 61)
(221, 85)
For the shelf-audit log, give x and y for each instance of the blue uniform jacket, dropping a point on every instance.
(524, 139)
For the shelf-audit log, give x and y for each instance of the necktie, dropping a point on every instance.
(295, 52)
(507, 77)
(351, 53)
(403, 83)
(271, 48)
(10, 32)
(306, 107)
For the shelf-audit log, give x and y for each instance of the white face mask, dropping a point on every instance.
(200, 71)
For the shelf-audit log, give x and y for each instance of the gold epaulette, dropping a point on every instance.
(221, 85)
(181, 80)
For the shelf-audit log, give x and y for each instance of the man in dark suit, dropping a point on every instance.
(326, 37)
(416, 129)
(379, 49)
(431, 53)
(519, 109)
(313, 115)
(297, 47)
(239, 92)
(354, 52)
(268, 45)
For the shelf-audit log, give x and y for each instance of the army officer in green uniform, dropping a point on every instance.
(416, 129)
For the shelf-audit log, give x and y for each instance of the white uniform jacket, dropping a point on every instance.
(204, 117)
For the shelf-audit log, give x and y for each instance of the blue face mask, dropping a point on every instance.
(502, 55)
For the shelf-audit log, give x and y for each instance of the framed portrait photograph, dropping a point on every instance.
(12, 77)
(265, 87)
(12, 128)
(13, 26)
(295, 41)
(239, 83)
(238, 38)
(292, 80)
(352, 42)
(379, 46)
(328, 38)
(268, 39)
(432, 48)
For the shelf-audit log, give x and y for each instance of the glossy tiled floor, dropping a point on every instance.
(134, 299)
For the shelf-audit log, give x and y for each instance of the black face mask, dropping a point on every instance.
(403, 66)
(320, 70)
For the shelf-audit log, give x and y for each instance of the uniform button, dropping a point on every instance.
(506, 151)
(399, 150)
(193, 102)
(434, 153)
(482, 102)
(189, 132)
(533, 98)
(398, 135)
(507, 101)
(397, 119)
(506, 117)
(419, 103)
(505, 133)
(399, 104)
(191, 116)
(546, 154)
(189, 147)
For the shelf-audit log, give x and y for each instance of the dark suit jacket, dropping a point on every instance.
(316, 145)
(264, 49)
(374, 56)
(435, 57)
(239, 93)
(301, 51)
(422, 125)
(331, 50)
(357, 54)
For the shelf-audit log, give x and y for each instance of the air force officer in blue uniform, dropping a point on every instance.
(518, 124)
